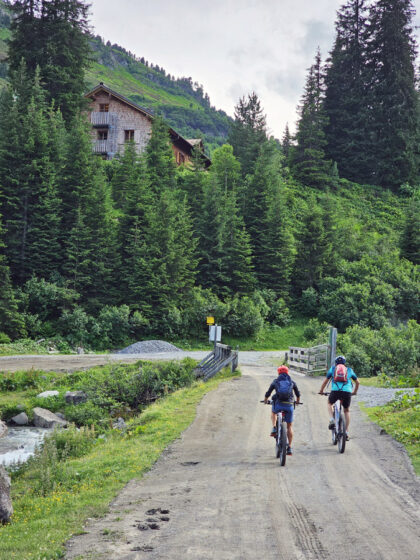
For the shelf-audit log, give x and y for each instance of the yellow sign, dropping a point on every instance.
(210, 320)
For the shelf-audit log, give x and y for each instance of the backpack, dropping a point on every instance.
(284, 388)
(340, 374)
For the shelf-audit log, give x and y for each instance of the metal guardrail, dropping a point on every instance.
(308, 360)
(219, 358)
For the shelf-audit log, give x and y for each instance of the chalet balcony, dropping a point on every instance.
(102, 146)
(103, 119)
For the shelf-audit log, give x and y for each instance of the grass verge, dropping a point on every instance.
(401, 420)
(52, 502)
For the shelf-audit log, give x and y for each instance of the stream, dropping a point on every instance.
(20, 443)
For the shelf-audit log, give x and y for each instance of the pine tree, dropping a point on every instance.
(160, 158)
(308, 161)
(410, 238)
(224, 244)
(313, 249)
(347, 82)
(286, 142)
(133, 225)
(248, 132)
(54, 36)
(28, 176)
(169, 253)
(395, 109)
(254, 200)
(277, 260)
(11, 321)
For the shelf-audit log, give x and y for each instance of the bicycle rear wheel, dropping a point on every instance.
(277, 442)
(341, 433)
(283, 444)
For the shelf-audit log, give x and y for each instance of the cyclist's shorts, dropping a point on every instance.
(288, 408)
(343, 396)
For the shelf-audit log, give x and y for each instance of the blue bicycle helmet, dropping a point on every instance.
(340, 360)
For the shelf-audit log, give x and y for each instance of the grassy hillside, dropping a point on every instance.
(4, 34)
(182, 102)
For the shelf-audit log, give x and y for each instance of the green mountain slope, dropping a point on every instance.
(4, 34)
(181, 102)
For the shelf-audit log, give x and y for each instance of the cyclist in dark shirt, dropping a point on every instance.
(285, 404)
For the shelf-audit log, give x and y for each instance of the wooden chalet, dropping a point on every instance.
(116, 120)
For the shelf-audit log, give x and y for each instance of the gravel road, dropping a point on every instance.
(61, 362)
(218, 493)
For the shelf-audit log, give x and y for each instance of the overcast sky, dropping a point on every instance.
(231, 47)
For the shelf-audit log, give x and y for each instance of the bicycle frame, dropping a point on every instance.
(338, 433)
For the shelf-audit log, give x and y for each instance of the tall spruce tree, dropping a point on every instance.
(11, 322)
(410, 238)
(395, 109)
(276, 262)
(166, 259)
(308, 162)
(248, 132)
(28, 178)
(313, 250)
(54, 36)
(224, 245)
(347, 82)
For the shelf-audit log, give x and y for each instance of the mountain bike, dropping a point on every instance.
(338, 432)
(281, 442)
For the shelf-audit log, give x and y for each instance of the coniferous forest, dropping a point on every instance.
(322, 224)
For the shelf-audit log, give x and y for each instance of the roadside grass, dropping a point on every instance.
(52, 501)
(401, 420)
(385, 381)
(270, 338)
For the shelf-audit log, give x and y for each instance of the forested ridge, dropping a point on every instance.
(322, 225)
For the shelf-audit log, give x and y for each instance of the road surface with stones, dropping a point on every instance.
(219, 492)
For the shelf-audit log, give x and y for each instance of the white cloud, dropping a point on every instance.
(232, 47)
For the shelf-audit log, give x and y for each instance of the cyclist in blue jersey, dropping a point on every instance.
(340, 390)
(283, 402)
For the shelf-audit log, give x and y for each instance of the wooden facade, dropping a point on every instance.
(116, 120)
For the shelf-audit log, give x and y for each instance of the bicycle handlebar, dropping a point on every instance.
(269, 402)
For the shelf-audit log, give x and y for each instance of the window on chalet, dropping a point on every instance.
(181, 158)
(102, 135)
(104, 107)
(129, 135)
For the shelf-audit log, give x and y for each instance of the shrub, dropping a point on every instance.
(202, 303)
(4, 338)
(78, 328)
(244, 318)
(308, 302)
(315, 332)
(390, 350)
(86, 414)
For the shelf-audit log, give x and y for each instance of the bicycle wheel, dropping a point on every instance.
(283, 444)
(277, 442)
(341, 434)
(334, 436)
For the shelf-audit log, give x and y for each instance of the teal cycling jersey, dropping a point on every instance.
(348, 387)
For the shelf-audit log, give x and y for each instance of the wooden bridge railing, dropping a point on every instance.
(308, 360)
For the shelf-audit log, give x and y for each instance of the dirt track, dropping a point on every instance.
(224, 496)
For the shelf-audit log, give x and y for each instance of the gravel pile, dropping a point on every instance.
(378, 396)
(149, 347)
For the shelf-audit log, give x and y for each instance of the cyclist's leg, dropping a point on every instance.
(346, 400)
(290, 433)
(273, 419)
